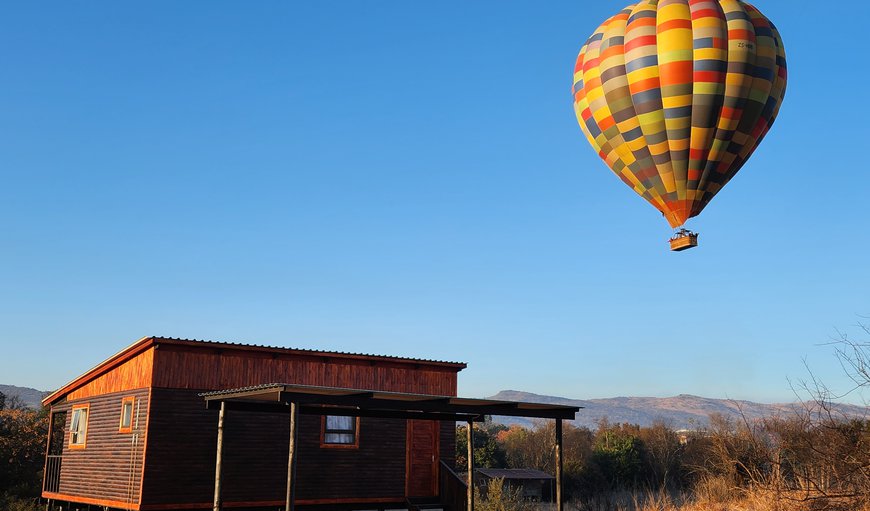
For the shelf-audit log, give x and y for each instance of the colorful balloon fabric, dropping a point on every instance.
(675, 95)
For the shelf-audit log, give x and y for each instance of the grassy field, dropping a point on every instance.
(744, 501)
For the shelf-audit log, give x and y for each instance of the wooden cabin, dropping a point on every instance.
(134, 432)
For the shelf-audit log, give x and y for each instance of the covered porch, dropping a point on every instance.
(293, 400)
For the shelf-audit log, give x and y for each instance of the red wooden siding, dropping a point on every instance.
(176, 435)
(422, 461)
(375, 470)
(132, 374)
(447, 443)
(181, 449)
(181, 456)
(215, 368)
(109, 468)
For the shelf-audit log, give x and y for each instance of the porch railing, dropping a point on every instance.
(51, 483)
(452, 489)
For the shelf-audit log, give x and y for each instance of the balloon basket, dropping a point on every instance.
(684, 239)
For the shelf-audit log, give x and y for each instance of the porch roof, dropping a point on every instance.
(313, 400)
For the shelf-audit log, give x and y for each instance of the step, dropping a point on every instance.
(425, 504)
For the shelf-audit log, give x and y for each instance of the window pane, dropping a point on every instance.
(74, 424)
(339, 430)
(334, 422)
(78, 426)
(338, 438)
(127, 414)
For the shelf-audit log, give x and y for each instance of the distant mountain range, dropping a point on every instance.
(679, 412)
(31, 398)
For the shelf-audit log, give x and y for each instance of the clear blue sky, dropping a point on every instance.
(408, 178)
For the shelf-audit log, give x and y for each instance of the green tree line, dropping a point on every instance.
(22, 454)
(814, 456)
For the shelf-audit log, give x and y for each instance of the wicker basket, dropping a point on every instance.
(684, 242)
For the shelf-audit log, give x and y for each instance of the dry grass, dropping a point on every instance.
(716, 496)
(9, 503)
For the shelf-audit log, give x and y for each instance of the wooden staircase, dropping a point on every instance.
(425, 504)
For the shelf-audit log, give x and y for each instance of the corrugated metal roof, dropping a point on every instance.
(263, 386)
(159, 339)
(380, 401)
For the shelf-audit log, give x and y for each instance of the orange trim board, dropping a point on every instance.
(302, 502)
(88, 500)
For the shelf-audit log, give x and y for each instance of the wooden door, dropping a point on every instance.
(421, 470)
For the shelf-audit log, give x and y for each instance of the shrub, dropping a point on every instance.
(500, 497)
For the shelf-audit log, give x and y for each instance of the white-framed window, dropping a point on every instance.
(126, 425)
(340, 431)
(78, 426)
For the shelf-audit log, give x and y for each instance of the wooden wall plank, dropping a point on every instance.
(447, 445)
(255, 456)
(110, 466)
(179, 467)
(215, 369)
(132, 374)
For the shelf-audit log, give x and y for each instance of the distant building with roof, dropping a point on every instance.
(532, 485)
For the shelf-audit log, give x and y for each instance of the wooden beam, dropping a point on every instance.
(373, 401)
(305, 396)
(218, 461)
(349, 399)
(389, 414)
(558, 464)
(248, 406)
(469, 435)
(315, 409)
(291, 459)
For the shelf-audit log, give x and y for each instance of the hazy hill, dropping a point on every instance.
(680, 412)
(30, 397)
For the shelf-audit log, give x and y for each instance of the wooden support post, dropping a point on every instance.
(218, 462)
(470, 437)
(291, 459)
(558, 464)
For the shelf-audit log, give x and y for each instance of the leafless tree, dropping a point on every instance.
(854, 356)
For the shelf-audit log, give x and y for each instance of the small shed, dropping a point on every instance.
(534, 485)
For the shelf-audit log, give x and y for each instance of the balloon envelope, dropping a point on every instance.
(675, 95)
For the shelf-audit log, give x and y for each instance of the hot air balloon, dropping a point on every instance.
(675, 95)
